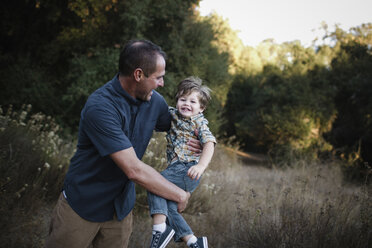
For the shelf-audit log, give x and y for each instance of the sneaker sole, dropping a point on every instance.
(167, 239)
(205, 242)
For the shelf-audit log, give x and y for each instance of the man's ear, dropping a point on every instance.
(138, 74)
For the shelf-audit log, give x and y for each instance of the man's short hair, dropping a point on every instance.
(141, 54)
(194, 84)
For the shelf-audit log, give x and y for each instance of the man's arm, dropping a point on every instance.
(149, 178)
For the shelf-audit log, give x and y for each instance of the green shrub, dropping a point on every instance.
(88, 73)
(284, 115)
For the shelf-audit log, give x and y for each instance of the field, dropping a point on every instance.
(244, 203)
(241, 201)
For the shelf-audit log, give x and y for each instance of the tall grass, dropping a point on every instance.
(238, 204)
(250, 205)
(33, 161)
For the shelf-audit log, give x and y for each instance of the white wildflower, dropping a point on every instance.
(150, 154)
(51, 134)
(22, 116)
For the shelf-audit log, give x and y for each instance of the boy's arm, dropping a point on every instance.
(197, 170)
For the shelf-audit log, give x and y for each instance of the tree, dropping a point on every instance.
(285, 109)
(351, 76)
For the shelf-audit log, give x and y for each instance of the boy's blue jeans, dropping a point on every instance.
(176, 173)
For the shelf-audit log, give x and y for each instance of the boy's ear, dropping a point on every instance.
(202, 110)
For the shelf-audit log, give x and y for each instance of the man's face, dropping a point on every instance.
(152, 82)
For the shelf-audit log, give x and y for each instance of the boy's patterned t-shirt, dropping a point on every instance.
(182, 129)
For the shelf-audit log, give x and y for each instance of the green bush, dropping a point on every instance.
(88, 73)
(280, 113)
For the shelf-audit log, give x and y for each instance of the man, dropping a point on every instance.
(117, 121)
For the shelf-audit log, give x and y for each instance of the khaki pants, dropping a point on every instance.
(69, 230)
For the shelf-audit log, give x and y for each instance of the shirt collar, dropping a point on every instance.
(117, 86)
(192, 118)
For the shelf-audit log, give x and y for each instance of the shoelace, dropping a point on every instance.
(195, 245)
(155, 240)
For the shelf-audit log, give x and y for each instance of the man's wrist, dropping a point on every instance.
(185, 196)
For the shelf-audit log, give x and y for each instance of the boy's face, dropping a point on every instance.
(189, 105)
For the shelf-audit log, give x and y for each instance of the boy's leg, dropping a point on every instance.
(161, 233)
(158, 219)
(158, 223)
(177, 222)
(177, 174)
(157, 204)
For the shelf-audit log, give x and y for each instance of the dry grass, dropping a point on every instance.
(33, 161)
(240, 203)
(250, 205)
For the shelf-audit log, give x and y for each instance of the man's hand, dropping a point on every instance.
(194, 145)
(182, 205)
(196, 171)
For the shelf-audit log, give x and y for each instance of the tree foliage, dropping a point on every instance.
(306, 101)
(352, 78)
(284, 99)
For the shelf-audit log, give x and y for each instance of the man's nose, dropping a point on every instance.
(161, 83)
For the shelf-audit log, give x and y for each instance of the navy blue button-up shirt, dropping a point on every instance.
(111, 121)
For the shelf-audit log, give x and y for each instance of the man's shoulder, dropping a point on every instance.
(97, 100)
(101, 94)
(99, 104)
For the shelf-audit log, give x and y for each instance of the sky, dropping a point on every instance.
(288, 20)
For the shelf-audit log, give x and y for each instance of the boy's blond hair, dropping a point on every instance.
(194, 84)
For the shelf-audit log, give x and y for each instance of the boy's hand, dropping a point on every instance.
(195, 172)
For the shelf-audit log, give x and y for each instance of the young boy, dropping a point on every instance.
(185, 169)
